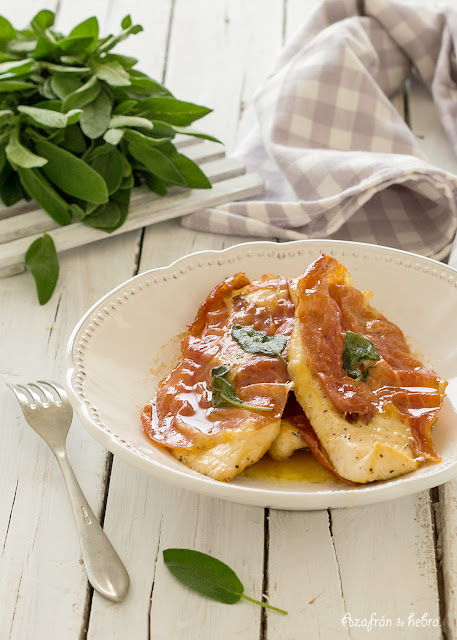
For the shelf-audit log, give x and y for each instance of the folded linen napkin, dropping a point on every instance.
(337, 158)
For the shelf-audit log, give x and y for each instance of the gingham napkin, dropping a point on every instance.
(337, 158)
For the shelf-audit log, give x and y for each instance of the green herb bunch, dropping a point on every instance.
(80, 126)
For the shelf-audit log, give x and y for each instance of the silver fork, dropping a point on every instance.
(47, 410)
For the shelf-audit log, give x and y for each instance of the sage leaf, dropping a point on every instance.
(174, 111)
(49, 118)
(130, 121)
(142, 85)
(71, 174)
(76, 212)
(7, 32)
(356, 352)
(126, 61)
(64, 69)
(36, 185)
(21, 47)
(21, 156)
(156, 185)
(136, 136)
(52, 105)
(10, 186)
(88, 28)
(124, 107)
(16, 67)
(128, 182)
(113, 136)
(253, 341)
(156, 162)
(191, 172)
(95, 117)
(110, 167)
(5, 116)
(42, 21)
(72, 45)
(46, 90)
(224, 395)
(122, 199)
(82, 95)
(63, 85)
(111, 216)
(113, 73)
(126, 22)
(44, 48)
(7, 86)
(41, 260)
(111, 41)
(73, 140)
(105, 217)
(209, 576)
(185, 131)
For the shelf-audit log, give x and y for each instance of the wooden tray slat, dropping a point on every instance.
(146, 210)
(36, 221)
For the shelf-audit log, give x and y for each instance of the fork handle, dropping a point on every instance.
(104, 568)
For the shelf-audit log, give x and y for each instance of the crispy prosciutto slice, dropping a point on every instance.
(221, 441)
(378, 425)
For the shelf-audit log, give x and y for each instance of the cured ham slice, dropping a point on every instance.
(375, 427)
(221, 441)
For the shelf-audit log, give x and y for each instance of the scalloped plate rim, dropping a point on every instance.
(281, 498)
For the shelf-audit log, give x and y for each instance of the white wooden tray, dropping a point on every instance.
(22, 224)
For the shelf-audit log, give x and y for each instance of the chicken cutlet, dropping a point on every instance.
(220, 408)
(371, 404)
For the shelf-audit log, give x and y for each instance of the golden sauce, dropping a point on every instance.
(300, 467)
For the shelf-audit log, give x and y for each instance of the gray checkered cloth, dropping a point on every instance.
(337, 158)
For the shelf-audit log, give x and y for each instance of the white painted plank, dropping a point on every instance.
(42, 583)
(447, 557)
(304, 577)
(145, 213)
(160, 516)
(223, 58)
(386, 558)
(436, 145)
(428, 129)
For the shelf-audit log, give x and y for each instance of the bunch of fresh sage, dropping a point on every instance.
(80, 126)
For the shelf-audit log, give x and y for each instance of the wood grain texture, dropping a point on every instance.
(304, 577)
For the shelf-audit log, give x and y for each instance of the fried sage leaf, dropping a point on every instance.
(209, 576)
(253, 341)
(357, 353)
(224, 395)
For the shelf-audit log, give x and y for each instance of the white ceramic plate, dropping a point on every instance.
(125, 344)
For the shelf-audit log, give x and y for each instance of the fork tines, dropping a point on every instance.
(38, 393)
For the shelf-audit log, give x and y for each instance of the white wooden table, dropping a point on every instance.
(394, 561)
